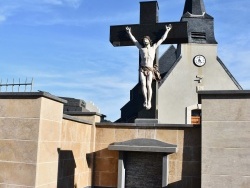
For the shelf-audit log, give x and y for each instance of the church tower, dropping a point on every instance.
(191, 67)
(200, 24)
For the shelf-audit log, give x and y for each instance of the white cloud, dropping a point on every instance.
(71, 3)
(2, 18)
(53, 2)
(6, 11)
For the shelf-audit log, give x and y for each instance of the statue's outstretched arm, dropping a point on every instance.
(131, 36)
(168, 28)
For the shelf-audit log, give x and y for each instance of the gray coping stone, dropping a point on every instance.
(143, 145)
(28, 95)
(76, 119)
(143, 125)
(77, 113)
(224, 92)
(138, 120)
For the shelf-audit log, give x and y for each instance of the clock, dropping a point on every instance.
(199, 60)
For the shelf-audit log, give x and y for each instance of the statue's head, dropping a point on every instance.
(146, 40)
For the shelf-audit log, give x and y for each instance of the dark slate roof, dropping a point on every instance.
(167, 60)
(200, 24)
(195, 7)
(74, 105)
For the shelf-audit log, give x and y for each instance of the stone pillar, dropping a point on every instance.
(29, 131)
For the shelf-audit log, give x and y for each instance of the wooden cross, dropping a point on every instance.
(148, 26)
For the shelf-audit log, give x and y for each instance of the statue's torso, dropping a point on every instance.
(147, 56)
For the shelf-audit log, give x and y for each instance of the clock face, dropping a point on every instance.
(199, 60)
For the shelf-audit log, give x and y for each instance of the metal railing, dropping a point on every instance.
(20, 86)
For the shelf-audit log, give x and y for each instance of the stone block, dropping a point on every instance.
(106, 165)
(15, 186)
(225, 181)
(66, 146)
(108, 179)
(49, 130)
(180, 136)
(168, 136)
(17, 173)
(51, 110)
(233, 160)
(105, 135)
(46, 173)
(222, 181)
(81, 132)
(173, 181)
(150, 133)
(181, 182)
(178, 156)
(18, 151)
(244, 182)
(47, 152)
(22, 108)
(172, 168)
(71, 131)
(226, 110)
(125, 134)
(105, 153)
(141, 133)
(76, 148)
(50, 185)
(80, 167)
(19, 128)
(85, 149)
(226, 134)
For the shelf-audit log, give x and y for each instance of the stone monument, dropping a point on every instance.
(147, 70)
(148, 26)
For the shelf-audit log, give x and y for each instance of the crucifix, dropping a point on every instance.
(149, 26)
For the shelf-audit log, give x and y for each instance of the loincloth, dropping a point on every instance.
(156, 74)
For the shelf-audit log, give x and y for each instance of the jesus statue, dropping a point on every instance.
(148, 71)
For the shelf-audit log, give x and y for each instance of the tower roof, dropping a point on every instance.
(194, 7)
(200, 24)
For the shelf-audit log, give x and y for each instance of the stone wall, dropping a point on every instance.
(19, 132)
(184, 166)
(225, 139)
(39, 146)
(75, 145)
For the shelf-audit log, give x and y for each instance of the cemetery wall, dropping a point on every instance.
(184, 166)
(41, 147)
(225, 139)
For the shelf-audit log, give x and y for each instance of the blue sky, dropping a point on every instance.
(64, 45)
